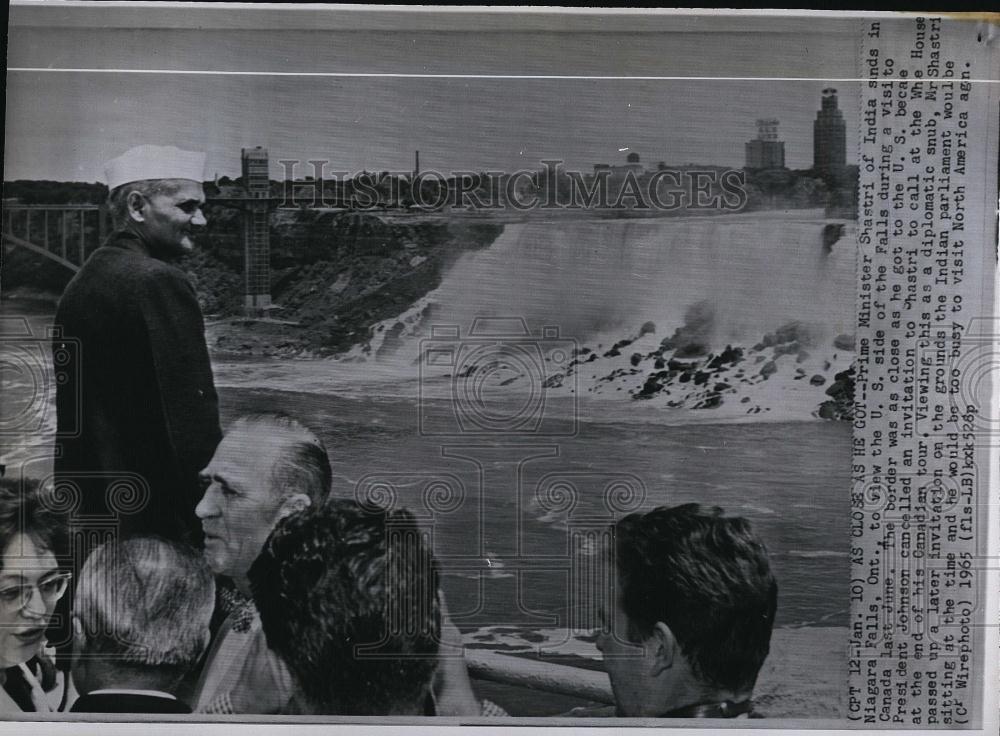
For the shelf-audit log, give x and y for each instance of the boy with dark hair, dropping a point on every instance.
(348, 598)
(694, 605)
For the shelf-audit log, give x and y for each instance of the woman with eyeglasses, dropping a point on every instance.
(31, 583)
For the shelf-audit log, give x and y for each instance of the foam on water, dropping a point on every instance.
(611, 291)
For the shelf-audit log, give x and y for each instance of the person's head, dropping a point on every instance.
(348, 598)
(162, 212)
(31, 581)
(694, 605)
(141, 614)
(266, 467)
(156, 193)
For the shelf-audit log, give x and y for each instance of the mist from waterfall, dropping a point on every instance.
(600, 280)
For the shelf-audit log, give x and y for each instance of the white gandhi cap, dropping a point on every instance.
(154, 162)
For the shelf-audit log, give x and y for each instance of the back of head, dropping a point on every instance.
(27, 508)
(304, 464)
(145, 602)
(348, 597)
(708, 578)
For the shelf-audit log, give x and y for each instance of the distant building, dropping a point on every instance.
(631, 165)
(766, 151)
(256, 173)
(829, 135)
(256, 232)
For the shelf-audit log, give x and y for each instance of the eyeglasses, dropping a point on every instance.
(15, 598)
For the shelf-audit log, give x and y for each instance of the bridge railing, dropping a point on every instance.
(66, 233)
(549, 677)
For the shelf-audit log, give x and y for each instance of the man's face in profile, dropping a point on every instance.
(170, 218)
(239, 507)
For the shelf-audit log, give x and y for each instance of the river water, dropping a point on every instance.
(514, 516)
(494, 502)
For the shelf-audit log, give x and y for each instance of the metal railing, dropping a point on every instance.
(64, 233)
(549, 677)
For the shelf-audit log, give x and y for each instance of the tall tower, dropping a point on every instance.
(829, 135)
(256, 232)
(766, 151)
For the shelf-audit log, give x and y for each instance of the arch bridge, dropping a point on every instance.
(64, 233)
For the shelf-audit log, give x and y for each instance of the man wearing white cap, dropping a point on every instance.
(142, 395)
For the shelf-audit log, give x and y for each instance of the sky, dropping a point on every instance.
(65, 125)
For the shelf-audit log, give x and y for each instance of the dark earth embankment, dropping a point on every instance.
(333, 275)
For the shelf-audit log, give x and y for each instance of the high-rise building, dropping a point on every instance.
(256, 175)
(256, 232)
(766, 151)
(829, 135)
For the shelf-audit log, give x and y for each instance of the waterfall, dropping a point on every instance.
(599, 280)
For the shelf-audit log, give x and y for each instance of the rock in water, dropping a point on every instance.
(841, 393)
(729, 355)
(832, 232)
(827, 410)
(844, 342)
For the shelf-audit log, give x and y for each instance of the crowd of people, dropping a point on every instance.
(229, 577)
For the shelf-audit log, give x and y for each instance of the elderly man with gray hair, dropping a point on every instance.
(141, 623)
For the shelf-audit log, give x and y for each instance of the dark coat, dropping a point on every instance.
(140, 403)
